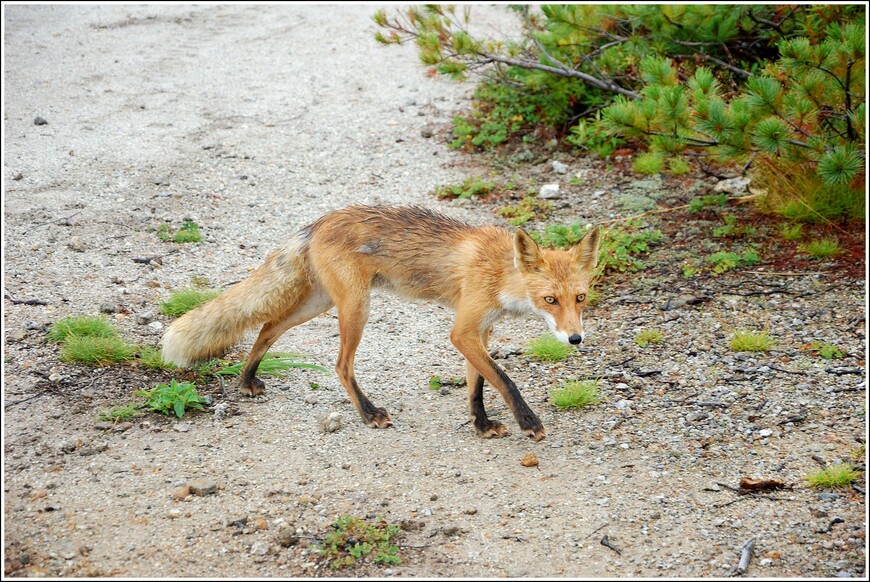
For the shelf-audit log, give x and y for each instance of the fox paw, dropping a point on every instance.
(254, 387)
(536, 433)
(380, 418)
(491, 429)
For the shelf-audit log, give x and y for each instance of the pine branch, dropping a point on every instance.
(571, 73)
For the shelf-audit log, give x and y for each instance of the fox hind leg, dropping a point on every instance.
(317, 302)
(353, 313)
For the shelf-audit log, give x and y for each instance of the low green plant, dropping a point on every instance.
(471, 187)
(118, 413)
(840, 475)
(751, 341)
(589, 135)
(353, 539)
(151, 358)
(649, 336)
(548, 349)
(689, 270)
(723, 261)
(529, 208)
(830, 352)
(96, 351)
(183, 300)
(576, 394)
(272, 364)
(435, 383)
(679, 166)
(822, 248)
(82, 326)
(792, 231)
(857, 454)
(648, 163)
(706, 202)
(173, 398)
(188, 233)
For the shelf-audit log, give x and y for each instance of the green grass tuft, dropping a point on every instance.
(548, 349)
(188, 233)
(822, 248)
(183, 300)
(792, 231)
(830, 352)
(576, 394)
(151, 358)
(272, 364)
(649, 336)
(648, 163)
(82, 326)
(751, 341)
(118, 413)
(96, 351)
(841, 475)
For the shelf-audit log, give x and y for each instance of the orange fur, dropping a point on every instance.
(483, 273)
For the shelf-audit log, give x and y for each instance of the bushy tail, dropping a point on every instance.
(269, 294)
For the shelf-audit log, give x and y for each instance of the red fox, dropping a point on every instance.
(483, 273)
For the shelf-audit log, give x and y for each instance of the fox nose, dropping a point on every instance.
(575, 339)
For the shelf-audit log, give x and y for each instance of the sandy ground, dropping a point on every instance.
(253, 121)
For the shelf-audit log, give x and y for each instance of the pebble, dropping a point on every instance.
(286, 538)
(181, 493)
(173, 513)
(75, 244)
(39, 120)
(181, 427)
(559, 167)
(260, 548)
(765, 432)
(145, 317)
(331, 423)
(549, 191)
(427, 131)
(203, 486)
(156, 325)
(311, 399)
(107, 307)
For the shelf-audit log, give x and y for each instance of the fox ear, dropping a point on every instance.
(586, 251)
(527, 253)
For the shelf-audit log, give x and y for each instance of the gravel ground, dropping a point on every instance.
(253, 121)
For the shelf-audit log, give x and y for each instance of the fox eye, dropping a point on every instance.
(581, 297)
(550, 299)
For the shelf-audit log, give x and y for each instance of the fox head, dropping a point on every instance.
(557, 282)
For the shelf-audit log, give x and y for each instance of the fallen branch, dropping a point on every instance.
(24, 301)
(745, 555)
(737, 199)
(608, 544)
